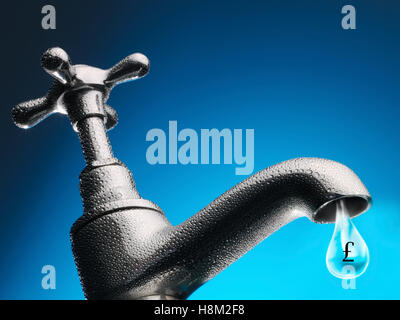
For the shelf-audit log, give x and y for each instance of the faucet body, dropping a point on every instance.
(138, 254)
(124, 246)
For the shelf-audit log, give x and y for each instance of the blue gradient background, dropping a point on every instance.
(285, 68)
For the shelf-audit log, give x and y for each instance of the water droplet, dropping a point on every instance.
(347, 255)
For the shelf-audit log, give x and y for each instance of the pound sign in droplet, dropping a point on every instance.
(347, 251)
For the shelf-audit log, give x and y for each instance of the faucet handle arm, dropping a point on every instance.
(28, 114)
(132, 67)
(111, 117)
(56, 62)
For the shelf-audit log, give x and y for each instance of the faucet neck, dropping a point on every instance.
(94, 139)
(105, 184)
(85, 109)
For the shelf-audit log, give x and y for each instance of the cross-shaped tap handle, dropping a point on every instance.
(70, 78)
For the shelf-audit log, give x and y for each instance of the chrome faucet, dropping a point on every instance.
(124, 246)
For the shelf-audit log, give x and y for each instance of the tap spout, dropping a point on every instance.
(150, 259)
